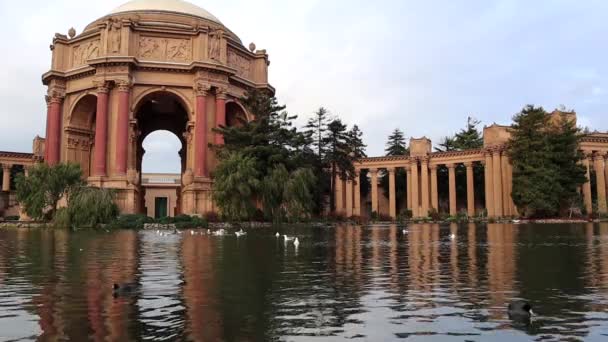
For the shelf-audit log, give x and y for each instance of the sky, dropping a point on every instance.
(420, 66)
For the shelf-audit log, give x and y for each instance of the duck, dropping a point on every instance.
(404, 231)
(124, 289)
(296, 242)
(277, 235)
(520, 310)
(240, 233)
(288, 238)
(220, 232)
(452, 236)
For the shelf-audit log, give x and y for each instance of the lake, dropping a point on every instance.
(373, 283)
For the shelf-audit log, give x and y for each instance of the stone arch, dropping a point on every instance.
(140, 99)
(80, 132)
(234, 109)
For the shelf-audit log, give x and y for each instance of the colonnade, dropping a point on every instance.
(422, 183)
(596, 160)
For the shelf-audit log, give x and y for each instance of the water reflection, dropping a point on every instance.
(374, 283)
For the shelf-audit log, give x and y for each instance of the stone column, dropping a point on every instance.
(374, 176)
(339, 200)
(408, 171)
(200, 131)
(220, 114)
(506, 194)
(600, 178)
(53, 139)
(470, 189)
(415, 188)
(587, 186)
(392, 203)
(357, 193)
(452, 187)
(489, 186)
(424, 179)
(434, 191)
(349, 198)
(101, 130)
(497, 182)
(6, 177)
(122, 127)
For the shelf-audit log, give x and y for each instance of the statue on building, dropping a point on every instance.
(114, 28)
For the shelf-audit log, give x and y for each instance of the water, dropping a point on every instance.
(365, 284)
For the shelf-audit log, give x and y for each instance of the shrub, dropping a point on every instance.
(130, 221)
(189, 222)
(211, 217)
(406, 214)
(357, 219)
(434, 215)
(11, 218)
(89, 207)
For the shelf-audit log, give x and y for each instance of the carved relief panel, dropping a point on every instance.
(165, 49)
(85, 51)
(239, 62)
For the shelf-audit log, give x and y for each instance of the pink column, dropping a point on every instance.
(200, 131)
(122, 128)
(101, 130)
(53, 139)
(220, 114)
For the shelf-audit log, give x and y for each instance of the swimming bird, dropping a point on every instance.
(240, 233)
(296, 242)
(520, 310)
(288, 238)
(452, 236)
(192, 232)
(404, 231)
(277, 234)
(124, 289)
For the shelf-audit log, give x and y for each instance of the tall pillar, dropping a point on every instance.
(392, 203)
(497, 182)
(220, 114)
(374, 176)
(349, 198)
(452, 187)
(434, 191)
(122, 127)
(101, 130)
(200, 130)
(408, 171)
(512, 210)
(489, 186)
(357, 193)
(6, 177)
(415, 188)
(506, 194)
(600, 178)
(339, 200)
(587, 186)
(424, 189)
(53, 139)
(470, 189)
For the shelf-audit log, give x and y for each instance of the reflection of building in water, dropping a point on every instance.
(424, 256)
(203, 321)
(348, 251)
(501, 265)
(472, 255)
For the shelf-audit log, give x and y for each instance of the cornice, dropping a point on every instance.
(16, 155)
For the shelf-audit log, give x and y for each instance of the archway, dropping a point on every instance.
(80, 133)
(162, 120)
(235, 114)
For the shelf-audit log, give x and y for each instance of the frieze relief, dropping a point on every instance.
(165, 49)
(240, 63)
(79, 143)
(85, 51)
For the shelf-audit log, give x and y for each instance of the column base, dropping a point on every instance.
(197, 198)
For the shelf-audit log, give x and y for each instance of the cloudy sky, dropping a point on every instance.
(421, 66)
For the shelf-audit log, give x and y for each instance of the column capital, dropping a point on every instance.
(433, 167)
(6, 166)
(102, 86)
(372, 170)
(221, 93)
(468, 164)
(201, 88)
(55, 94)
(390, 169)
(598, 156)
(124, 85)
(450, 165)
(357, 172)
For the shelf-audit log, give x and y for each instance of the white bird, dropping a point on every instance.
(452, 236)
(208, 231)
(277, 234)
(296, 242)
(240, 233)
(192, 232)
(516, 221)
(404, 232)
(288, 238)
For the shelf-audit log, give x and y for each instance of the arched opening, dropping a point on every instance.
(162, 121)
(235, 114)
(81, 133)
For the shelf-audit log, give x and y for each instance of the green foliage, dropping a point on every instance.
(273, 192)
(130, 221)
(546, 163)
(41, 191)
(396, 146)
(89, 207)
(236, 186)
(434, 214)
(298, 194)
(11, 218)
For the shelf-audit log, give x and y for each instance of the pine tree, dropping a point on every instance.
(316, 129)
(469, 137)
(396, 146)
(338, 157)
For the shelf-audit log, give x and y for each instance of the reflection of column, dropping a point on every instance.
(587, 186)
(424, 179)
(349, 198)
(101, 130)
(53, 139)
(122, 127)
(506, 194)
(408, 171)
(470, 189)
(6, 177)
(339, 195)
(357, 193)
(220, 114)
(374, 175)
(415, 187)
(200, 131)
(452, 186)
(391, 193)
(434, 193)
(600, 182)
(497, 182)
(501, 259)
(489, 187)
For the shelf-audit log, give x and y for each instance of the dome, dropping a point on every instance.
(170, 6)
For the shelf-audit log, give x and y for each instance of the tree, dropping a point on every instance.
(338, 156)
(469, 137)
(546, 163)
(316, 129)
(236, 186)
(273, 191)
(396, 146)
(43, 188)
(88, 207)
(298, 195)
